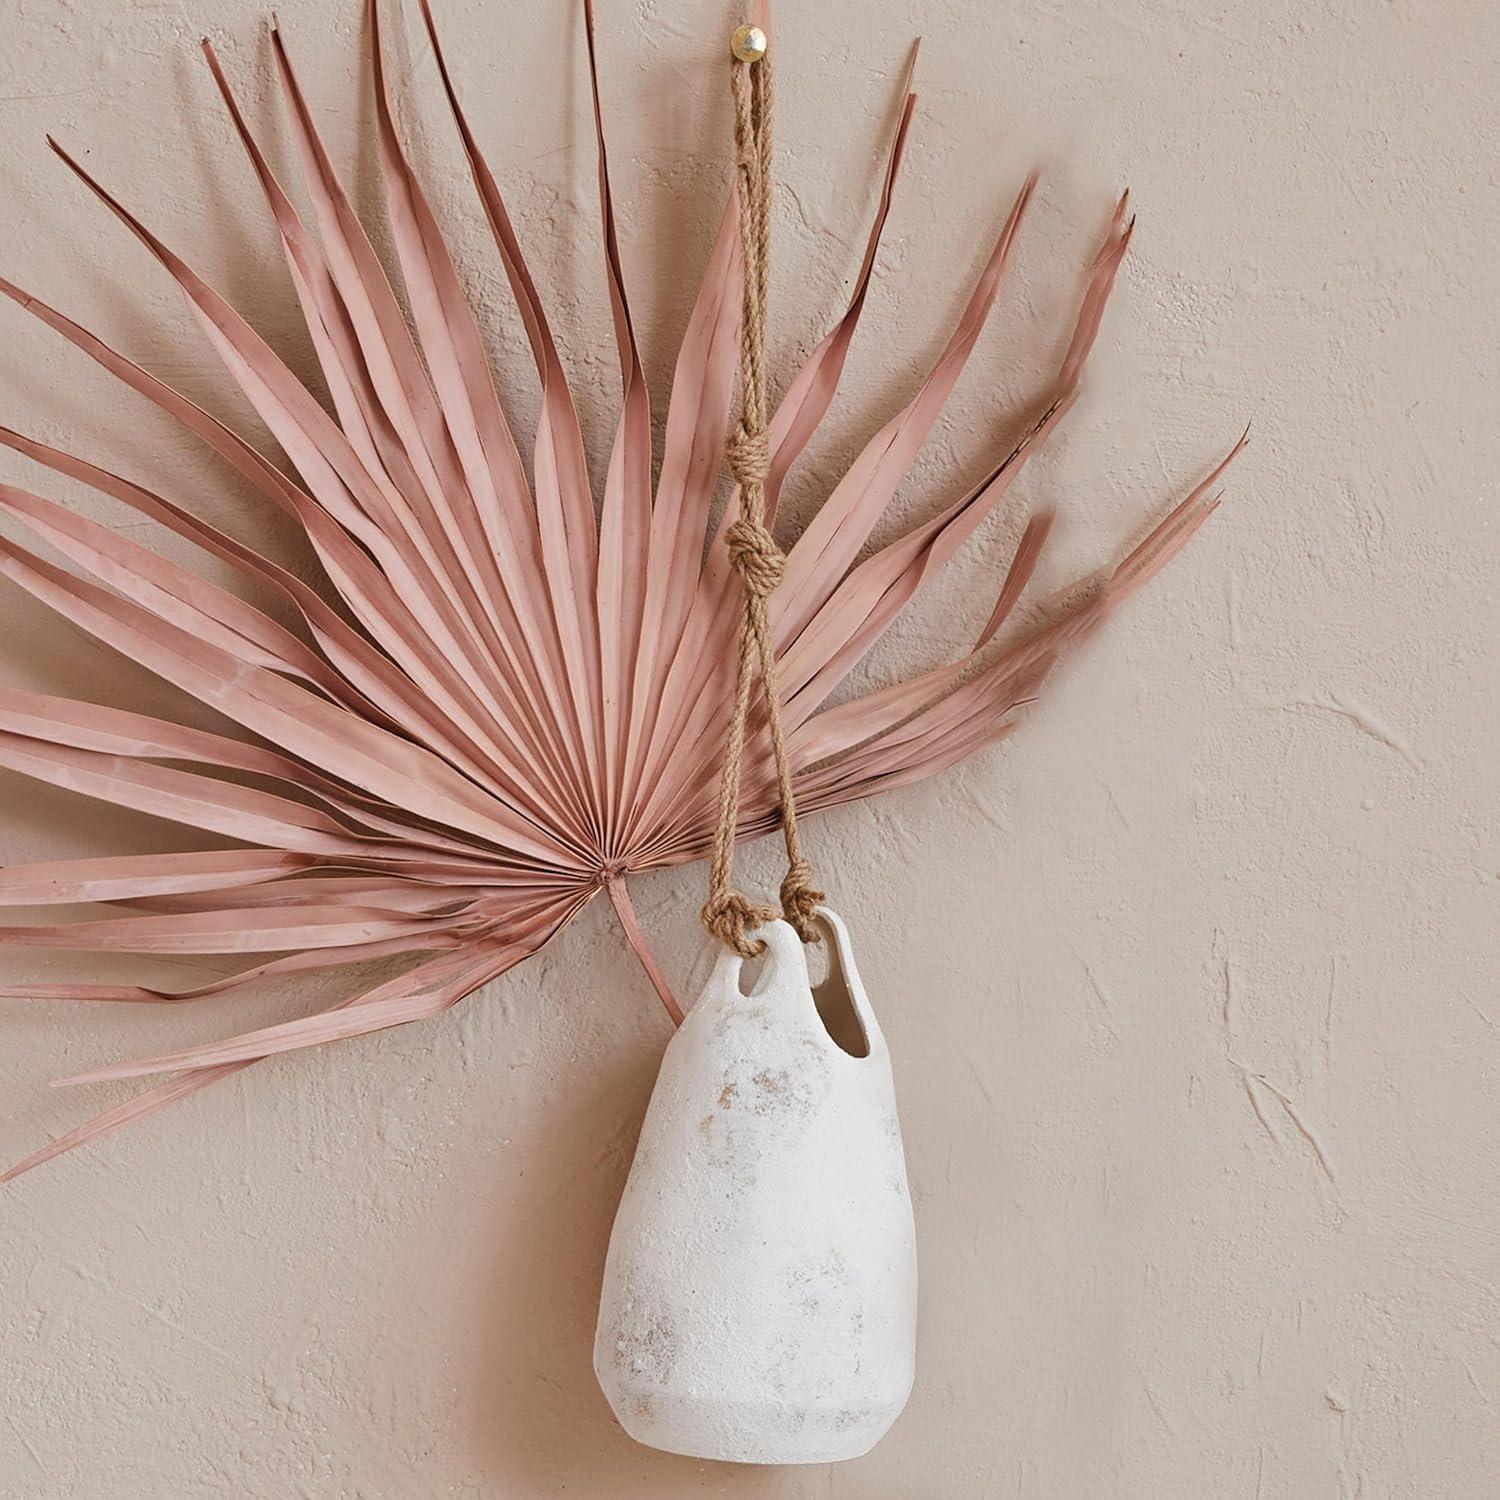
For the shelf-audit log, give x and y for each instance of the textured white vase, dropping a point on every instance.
(760, 1292)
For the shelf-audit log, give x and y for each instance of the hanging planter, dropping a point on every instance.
(760, 1294)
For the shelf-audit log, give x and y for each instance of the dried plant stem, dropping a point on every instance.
(625, 910)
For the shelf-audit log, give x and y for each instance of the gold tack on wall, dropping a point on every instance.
(748, 43)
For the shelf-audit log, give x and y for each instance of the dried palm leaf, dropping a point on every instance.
(501, 702)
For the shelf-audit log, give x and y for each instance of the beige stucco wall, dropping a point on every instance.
(1191, 988)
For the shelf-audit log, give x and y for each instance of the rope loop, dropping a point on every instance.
(731, 918)
(728, 914)
(800, 899)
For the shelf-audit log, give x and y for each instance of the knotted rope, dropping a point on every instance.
(728, 914)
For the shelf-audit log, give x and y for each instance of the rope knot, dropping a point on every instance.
(730, 917)
(756, 557)
(748, 455)
(800, 899)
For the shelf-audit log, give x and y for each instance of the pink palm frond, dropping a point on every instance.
(499, 700)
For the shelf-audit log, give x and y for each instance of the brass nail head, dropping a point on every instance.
(748, 43)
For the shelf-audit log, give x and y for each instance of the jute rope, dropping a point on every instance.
(728, 914)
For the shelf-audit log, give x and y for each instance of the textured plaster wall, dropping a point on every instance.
(1191, 988)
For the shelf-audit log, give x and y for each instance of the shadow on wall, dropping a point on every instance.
(538, 1415)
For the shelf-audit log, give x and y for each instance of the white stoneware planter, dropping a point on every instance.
(760, 1292)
